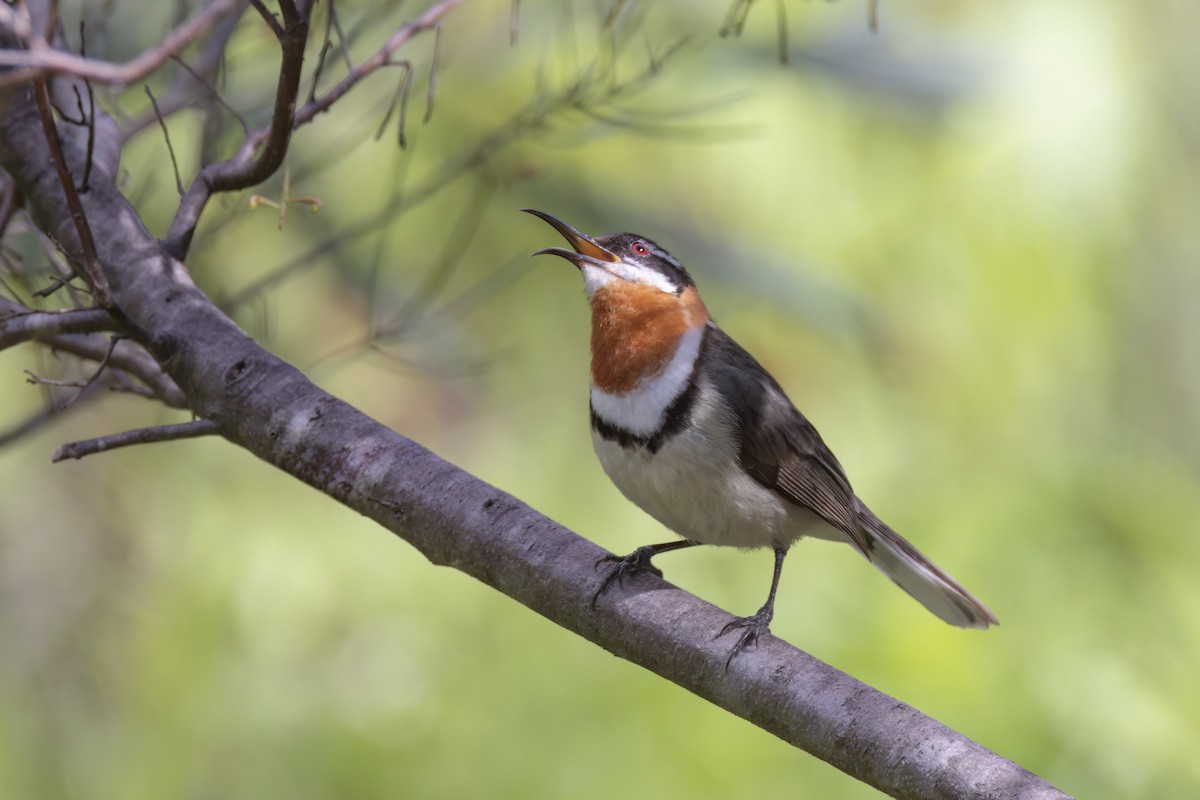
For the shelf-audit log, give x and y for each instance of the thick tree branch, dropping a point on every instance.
(268, 407)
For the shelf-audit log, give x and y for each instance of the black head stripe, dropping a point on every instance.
(657, 259)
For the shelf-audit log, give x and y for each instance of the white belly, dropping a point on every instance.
(694, 486)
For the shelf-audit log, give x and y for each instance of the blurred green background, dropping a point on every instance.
(966, 245)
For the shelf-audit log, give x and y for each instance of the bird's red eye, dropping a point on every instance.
(639, 248)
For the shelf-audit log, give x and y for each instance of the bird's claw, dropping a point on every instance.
(637, 561)
(754, 627)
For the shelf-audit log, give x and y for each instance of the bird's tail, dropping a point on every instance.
(914, 573)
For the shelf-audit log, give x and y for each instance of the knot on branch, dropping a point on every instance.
(238, 377)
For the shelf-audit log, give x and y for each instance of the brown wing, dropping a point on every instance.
(779, 447)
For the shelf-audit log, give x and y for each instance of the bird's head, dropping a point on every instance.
(624, 257)
(643, 303)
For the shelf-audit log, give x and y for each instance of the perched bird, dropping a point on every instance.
(694, 431)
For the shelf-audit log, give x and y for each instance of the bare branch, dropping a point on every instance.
(20, 324)
(160, 433)
(38, 380)
(399, 99)
(268, 18)
(380, 58)
(244, 169)
(201, 71)
(126, 356)
(213, 93)
(112, 345)
(342, 41)
(256, 401)
(39, 418)
(90, 116)
(433, 67)
(326, 44)
(91, 268)
(240, 171)
(167, 136)
(41, 58)
(461, 232)
(584, 95)
(55, 285)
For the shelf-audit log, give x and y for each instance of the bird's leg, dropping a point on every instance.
(637, 561)
(758, 624)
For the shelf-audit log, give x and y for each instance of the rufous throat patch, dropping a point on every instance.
(636, 330)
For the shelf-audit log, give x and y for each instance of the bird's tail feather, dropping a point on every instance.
(892, 555)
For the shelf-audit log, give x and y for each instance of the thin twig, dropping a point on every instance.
(206, 63)
(332, 24)
(37, 420)
(121, 382)
(38, 380)
(326, 43)
(20, 324)
(91, 262)
(399, 98)
(65, 117)
(56, 257)
(532, 117)
(112, 345)
(379, 59)
(41, 58)
(433, 66)
(212, 91)
(160, 433)
(268, 17)
(166, 135)
(128, 356)
(244, 169)
(55, 285)
(27, 425)
(240, 172)
(91, 115)
(343, 46)
(457, 240)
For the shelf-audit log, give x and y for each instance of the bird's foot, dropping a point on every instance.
(752, 628)
(637, 561)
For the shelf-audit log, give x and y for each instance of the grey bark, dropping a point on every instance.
(268, 407)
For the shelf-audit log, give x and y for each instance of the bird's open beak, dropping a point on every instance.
(585, 246)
